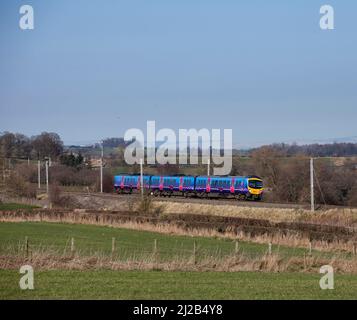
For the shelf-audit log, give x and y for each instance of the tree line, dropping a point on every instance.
(44, 145)
(313, 150)
(287, 179)
(49, 144)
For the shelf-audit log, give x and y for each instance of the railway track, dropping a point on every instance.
(218, 202)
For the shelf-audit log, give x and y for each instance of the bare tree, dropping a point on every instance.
(47, 144)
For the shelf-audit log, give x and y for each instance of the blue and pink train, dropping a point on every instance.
(241, 188)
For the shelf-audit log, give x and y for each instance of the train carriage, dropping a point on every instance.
(129, 183)
(170, 185)
(239, 187)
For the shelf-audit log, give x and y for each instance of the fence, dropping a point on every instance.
(163, 250)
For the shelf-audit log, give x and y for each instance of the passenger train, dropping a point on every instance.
(241, 188)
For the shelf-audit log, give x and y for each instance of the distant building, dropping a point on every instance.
(95, 163)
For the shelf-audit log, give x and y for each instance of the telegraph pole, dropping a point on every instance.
(141, 179)
(101, 169)
(47, 187)
(312, 184)
(39, 173)
(208, 167)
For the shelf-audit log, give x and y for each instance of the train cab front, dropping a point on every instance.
(255, 188)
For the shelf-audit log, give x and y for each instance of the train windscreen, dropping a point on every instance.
(256, 184)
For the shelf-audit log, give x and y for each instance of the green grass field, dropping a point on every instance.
(91, 239)
(174, 285)
(103, 283)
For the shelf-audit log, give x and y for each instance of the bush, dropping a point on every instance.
(352, 201)
(108, 182)
(68, 176)
(17, 186)
(55, 194)
(58, 200)
(146, 206)
(28, 172)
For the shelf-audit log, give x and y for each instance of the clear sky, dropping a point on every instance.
(92, 69)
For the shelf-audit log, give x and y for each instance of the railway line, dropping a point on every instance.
(212, 201)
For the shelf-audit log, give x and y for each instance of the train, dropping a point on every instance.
(238, 187)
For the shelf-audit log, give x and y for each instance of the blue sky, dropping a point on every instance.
(93, 69)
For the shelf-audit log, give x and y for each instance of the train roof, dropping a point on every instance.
(253, 177)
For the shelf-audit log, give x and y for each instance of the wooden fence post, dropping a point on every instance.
(236, 249)
(354, 250)
(72, 247)
(155, 246)
(155, 253)
(310, 248)
(269, 248)
(113, 247)
(194, 251)
(27, 246)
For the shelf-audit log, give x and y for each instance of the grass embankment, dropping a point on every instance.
(335, 217)
(16, 206)
(174, 285)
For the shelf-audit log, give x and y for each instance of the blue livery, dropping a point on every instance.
(248, 187)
